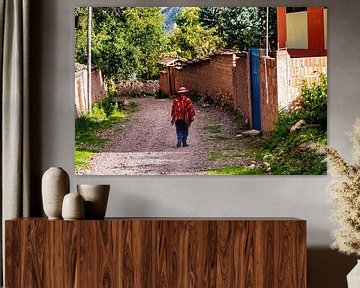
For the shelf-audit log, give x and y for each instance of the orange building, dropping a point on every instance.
(302, 31)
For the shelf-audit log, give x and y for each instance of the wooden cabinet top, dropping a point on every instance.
(271, 219)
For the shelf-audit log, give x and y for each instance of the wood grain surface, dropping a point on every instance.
(137, 253)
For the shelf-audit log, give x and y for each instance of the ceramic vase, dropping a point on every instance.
(55, 185)
(353, 278)
(73, 207)
(96, 198)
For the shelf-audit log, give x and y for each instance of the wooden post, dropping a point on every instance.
(89, 108)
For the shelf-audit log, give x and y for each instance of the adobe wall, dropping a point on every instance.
(211, 77)
(242, 89)
(268, 92)
(98, 89)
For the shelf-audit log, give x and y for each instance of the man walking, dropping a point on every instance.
(182, 114)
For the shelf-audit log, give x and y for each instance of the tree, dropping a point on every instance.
(190, 39)
(126, 41)
(145, 28)
(240, 27)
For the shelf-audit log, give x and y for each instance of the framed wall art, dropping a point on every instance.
(200, 90)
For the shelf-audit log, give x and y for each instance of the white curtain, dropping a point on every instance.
(14, 38)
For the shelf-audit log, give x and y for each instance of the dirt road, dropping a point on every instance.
(147, 145)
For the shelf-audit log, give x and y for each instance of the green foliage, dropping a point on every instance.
(240, 27)
(126, 42)
(314, 101)
(215, 155)
(213, 128)
(91, 128)
(235, 170)
(290, 153)
(190, 39)
(161, 95)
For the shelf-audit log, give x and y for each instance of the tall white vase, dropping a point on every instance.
(55, 185)
(353, 278)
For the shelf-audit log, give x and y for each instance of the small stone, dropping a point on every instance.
(252, 132)
(297, 126)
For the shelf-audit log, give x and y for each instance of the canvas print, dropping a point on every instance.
(200, 90)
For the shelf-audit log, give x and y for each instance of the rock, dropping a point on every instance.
(297, 126)
(252, 132)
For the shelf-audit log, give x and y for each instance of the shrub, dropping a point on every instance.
(314, 102)
(161, 95)
(290, 153)
(135, 88)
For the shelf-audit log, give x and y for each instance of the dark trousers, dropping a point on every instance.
(182, 131)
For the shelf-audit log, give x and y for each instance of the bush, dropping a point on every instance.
(161, 95)
(108, 103)
(135, 88)
(314, 102)
(290, 153)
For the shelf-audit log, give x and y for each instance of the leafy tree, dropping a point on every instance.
(190, 39)
(126, 42)
(240, 27)
(145, 28)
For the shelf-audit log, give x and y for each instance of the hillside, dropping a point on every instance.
(170, 14)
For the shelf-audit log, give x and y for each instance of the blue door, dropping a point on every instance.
(255, 88)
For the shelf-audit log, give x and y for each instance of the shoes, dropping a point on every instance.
(178, 144)
(185, 145)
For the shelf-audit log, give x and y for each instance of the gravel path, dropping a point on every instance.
(147, 145)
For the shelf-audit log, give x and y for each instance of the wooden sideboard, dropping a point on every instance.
(156, 252)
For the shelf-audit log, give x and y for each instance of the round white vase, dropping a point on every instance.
(96, 198)
(55, 185)
(73, 207)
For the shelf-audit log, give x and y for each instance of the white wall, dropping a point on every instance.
(299, 196)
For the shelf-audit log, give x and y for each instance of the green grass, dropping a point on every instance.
(89, 129)
(235, 155)
(235, 170)
(290, 154)
(219, 138)
(215, 155)
(213, 128)
(82, 158)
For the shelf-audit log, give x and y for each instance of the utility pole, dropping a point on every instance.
(89, 59)
(267, 31)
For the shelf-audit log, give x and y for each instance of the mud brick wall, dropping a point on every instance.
(242, 92)
(98, 89)
(211, 77)
(164, 82)
(268, 93)
(98, 86)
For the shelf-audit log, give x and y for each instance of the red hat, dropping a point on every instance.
(183, 90)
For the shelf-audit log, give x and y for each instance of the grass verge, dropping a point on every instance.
(90, 131)
(235, 170)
